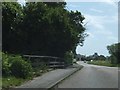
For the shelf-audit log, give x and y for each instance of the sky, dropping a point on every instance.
(102, 25)
(101, 17)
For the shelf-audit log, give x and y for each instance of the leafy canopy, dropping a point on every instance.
(41, 28)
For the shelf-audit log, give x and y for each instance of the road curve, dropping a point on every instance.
(92, 76)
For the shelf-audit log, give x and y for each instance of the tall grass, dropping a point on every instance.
(10, 82)
(102, 63)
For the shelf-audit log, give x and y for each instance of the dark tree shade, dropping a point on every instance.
(41, 28)
(11, 17)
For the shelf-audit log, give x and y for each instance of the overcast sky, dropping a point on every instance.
(102, 24)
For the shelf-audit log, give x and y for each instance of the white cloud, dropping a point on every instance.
(94, 21)
(96, 10)
(99, 26)
(99, 22)
(104, 32)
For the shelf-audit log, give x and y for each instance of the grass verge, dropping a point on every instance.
(11, 81)
(104, 63)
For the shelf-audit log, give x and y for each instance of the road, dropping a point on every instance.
(92, 76)
(48, 79)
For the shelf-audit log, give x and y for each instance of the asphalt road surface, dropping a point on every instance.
(92, 76)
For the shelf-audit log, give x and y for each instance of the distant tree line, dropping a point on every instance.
(95, 56)
(41, 28)
(114, 58)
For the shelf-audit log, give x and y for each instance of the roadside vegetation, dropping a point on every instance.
(41, 28)
(16, 70)
(11, 81)
(38, 28)
(102, 63)
(114, 51)
(113, 60)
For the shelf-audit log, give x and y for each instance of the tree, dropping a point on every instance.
(88, 58)
(11, 17)
(95, 56)
(43, 29)
(101, 57)
(114, 51)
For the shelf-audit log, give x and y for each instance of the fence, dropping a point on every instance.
(50, 61)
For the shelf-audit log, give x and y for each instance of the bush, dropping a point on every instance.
(113, 59)
(15, 65)
(21, 68)
(69, 57)
(5, 65)
(41, 68)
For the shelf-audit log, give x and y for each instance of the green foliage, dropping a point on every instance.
(14, 65)
(69, 56)
(21, 68)
(95, 56)
(102, 63)
(11, 18)
(43, 66)
(16, 70)
(114, 51)
(11, 81)
(41, 28)
(101, 57)
(40, 70)
(5, 65)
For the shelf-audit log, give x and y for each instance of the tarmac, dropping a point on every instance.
(51, 79)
